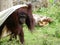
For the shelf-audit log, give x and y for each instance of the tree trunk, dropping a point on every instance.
(4, 4)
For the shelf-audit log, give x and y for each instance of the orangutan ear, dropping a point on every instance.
(29, 5)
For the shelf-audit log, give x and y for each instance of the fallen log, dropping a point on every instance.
(42, 20)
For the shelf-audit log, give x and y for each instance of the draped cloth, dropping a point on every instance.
(6, 13)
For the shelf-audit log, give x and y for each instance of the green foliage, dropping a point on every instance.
(51, 1)
(57, 33)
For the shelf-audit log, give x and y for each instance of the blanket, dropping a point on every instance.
(6, 13)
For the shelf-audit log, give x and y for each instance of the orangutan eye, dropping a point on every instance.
(22, 16)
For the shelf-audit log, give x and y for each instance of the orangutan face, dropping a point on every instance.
(22, 18)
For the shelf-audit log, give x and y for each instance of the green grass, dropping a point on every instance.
(47, 35)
